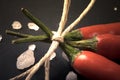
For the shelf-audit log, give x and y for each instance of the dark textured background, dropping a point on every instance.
(48, 11)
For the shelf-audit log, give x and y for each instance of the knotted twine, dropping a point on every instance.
(58, 37)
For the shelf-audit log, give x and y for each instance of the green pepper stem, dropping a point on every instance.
(74, 35)
(27, 37)
(17, 33)
(69, 50)
(84, 44)
(42, 38)
(38, 22)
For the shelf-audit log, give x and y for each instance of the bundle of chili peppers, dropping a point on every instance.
(90, 49)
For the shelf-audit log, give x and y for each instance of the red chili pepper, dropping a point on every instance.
(93, 30)
(107, 45)
(96, 67)
(92, 65)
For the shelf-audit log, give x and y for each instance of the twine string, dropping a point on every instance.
(56, 39)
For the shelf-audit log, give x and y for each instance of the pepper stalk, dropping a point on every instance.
(84, 44)
(38, 22)
(69, 51)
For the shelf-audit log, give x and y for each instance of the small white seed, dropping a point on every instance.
(115, 8)
(0, 37)
(33, 26)
(71, 76)
(16, 25)
(53, 56)
(32, 47)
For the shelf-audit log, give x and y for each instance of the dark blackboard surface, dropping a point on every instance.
(48, 11)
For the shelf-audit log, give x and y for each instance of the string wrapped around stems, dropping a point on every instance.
(55, 43)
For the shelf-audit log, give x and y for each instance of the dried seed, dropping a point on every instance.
(0, 37)
(33, 26)
(53, 56)
(16, 25)
(115, 8)
(32, 47)
(65, 56)
(71, 76)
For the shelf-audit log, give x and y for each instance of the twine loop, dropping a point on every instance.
(57, 37)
